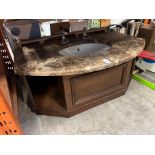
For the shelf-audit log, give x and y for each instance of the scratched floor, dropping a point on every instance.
(133, 113)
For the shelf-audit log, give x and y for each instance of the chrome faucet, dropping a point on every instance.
(64, 39)
(85, 35)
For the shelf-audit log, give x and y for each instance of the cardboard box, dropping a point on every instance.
(105, 22)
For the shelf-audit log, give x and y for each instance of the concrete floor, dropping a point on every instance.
(133, 113)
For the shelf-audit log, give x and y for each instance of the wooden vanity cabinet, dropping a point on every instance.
(69, 95)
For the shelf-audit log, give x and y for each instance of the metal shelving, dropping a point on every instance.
(9, 124)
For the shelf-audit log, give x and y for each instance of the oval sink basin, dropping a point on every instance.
(85, 49)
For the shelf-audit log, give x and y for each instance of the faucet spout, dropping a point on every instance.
(64, 39)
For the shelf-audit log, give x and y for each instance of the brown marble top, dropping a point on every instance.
(43, 60)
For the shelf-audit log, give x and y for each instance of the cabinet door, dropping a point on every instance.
(97, 85)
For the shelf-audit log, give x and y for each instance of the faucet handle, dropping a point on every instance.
(64, 32)
(85, 28)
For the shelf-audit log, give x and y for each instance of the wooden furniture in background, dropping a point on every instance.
(148, 33)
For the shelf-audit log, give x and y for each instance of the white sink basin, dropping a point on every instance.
(85, 49)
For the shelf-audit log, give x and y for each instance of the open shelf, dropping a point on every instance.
(47, 92)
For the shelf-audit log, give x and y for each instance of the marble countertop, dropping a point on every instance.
(43, 60)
